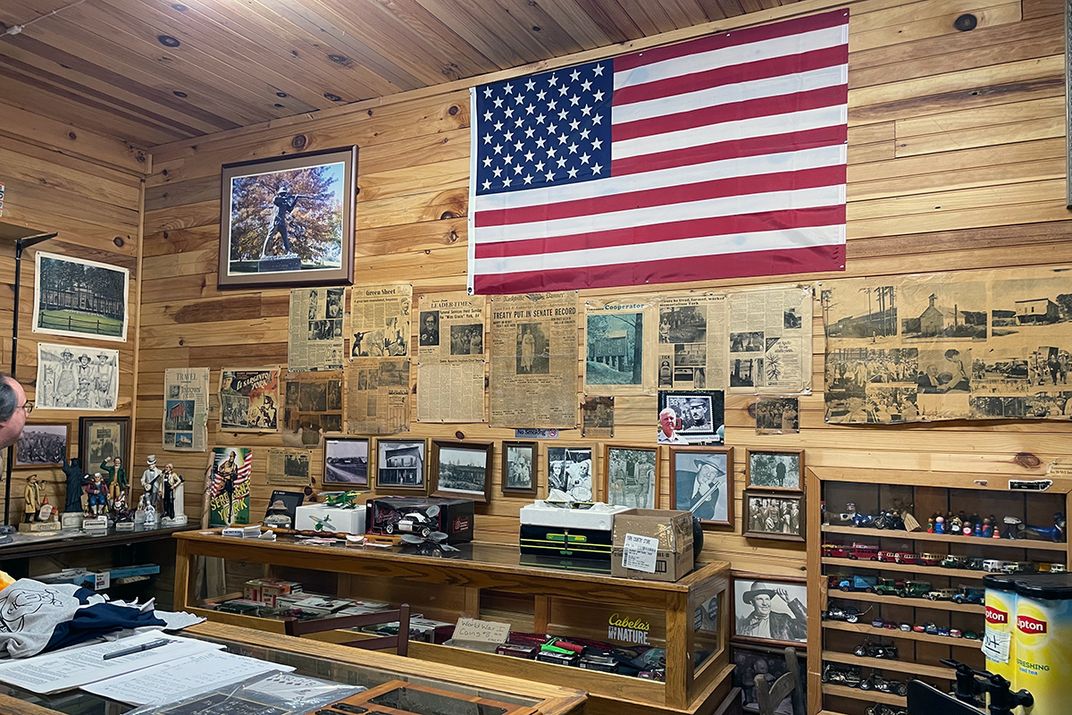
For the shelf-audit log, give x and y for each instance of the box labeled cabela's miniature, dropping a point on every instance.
(421, 516)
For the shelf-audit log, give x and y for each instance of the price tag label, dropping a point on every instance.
(102, 580)
(996, 646)
(640, 553)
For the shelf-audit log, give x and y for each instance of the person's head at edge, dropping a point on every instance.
(12, 410)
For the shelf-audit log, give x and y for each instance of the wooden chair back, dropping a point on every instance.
(771, 694)
(400, 641)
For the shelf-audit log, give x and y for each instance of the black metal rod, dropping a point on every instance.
(20, 245)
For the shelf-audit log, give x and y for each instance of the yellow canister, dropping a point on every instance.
(1043, 641)
(1000, 616)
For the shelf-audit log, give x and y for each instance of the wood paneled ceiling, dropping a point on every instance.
(154, 71)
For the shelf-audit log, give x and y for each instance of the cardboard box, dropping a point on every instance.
(672, 528)
(329, 520)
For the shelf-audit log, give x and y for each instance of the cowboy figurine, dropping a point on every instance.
(115, 477)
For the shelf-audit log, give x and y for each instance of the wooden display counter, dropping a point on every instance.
(690, 615)
(338, 663)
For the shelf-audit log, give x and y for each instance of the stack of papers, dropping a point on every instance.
(182, 668)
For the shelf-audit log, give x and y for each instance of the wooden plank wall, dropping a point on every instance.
(88, 187)
(956, 153)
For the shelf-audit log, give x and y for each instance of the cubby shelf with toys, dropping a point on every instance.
(885, 578)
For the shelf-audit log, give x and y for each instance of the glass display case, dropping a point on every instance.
(654, 643)
(402, 685)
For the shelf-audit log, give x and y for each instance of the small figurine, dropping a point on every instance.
(120, 510)
(173, 506)
(939, 524)
(997, 532)
(33, 498)
(115, 477)
(930, 525)
(150, 480)
(988, 527)
(953, 525)
(148, 510)
(97, 493)
(978, 528)
(75, 479)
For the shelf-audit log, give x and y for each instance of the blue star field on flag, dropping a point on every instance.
(546, 129)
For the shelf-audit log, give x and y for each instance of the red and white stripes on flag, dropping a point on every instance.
(718, 157)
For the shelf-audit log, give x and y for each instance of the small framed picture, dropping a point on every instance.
(288, 221)
(346, 462)
(631, 476)
(702, 483)
(781, 470)
(767, 610)
(771, 515)
(691, 416)
(102, 437)
(400, 465)
(569, 471)
(519, 469)
(42, 445)
(461, 469)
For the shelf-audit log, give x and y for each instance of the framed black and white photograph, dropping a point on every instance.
(82, 298)
(769, 661)
(70, 377)
(102, 437)
(781, 469)
(286, 500)
(519, 469)
(42, 445)
(691, 416)
(288, 221)
(569, 473)
(702, 483)
(400, 465)
(771, 515)
(767, 610)
(461, 469)
(631, 476)
(346, 462)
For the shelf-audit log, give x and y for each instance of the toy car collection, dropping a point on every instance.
(841, 613)
(875, 650)
(882, 685)
(941, 594)
(967, 594)
(848, 676)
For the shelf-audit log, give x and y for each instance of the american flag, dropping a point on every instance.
(718, 157)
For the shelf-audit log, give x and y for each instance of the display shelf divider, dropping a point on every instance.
(867, 630)
(868, 696)
(903, 568)
(897, 534)
(891, 664)
(910, 602)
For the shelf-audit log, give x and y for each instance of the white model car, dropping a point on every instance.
(412, 523)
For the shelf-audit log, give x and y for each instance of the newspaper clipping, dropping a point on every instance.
(450, 358)
(377, 396)
(249, 399)
(928, 347)
(770, 334)
(315, 340)
(692, 342)
(313, 406)
(619, 347)
(380, 321)
(288, 467)
(185, 424)
(534, 360)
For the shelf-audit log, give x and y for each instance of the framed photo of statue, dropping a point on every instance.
(288, 221)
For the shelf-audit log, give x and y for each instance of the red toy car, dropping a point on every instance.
(835, 551)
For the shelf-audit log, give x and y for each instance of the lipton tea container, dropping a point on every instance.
(998, 640)
(1043, 641)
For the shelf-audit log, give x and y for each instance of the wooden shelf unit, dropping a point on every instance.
(927, 492)
(870, 632)
(445, 588)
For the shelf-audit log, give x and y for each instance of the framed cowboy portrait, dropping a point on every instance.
(770, 610)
